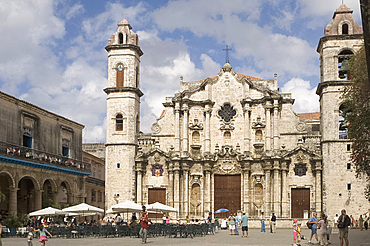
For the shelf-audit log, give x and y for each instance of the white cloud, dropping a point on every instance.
(269, 51)
(305, 97)
(163, 63)
(319, 13)
(74, 10)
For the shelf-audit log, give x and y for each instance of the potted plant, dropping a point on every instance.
(13, 222)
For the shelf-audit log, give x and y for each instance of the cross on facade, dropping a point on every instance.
(227, 53)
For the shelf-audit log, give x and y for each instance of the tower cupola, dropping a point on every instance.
(343, 23)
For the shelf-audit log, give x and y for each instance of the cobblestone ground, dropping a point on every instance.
(280, 238)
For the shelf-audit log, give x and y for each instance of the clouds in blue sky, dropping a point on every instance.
(52, 52)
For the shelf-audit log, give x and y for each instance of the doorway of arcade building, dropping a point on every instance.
(27, 200)
(227, 194)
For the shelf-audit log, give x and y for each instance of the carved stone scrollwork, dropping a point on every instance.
(227, 126)
(227, 151)
(258, 124)
(301, 126)
(227, 166)
(156, 128)
(196, 125)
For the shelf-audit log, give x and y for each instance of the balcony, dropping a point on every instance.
(37, 156)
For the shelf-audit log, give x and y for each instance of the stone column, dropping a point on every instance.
(177, 126)
(207, 189)
(176, 186)
(139, 186)
(267, 190)
(284, 195)
(170, 186)
(268, 126)
(185, 136)
(55, 196)
(276, 188)
(207, 139)
(246, 128)
(13, 201)
(276, 124)
(186, 189)
(246, 201)
(38, 199)
(318, 187)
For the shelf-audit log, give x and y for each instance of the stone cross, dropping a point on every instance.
(227, 53)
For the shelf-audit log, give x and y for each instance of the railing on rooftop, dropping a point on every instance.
(24, 153)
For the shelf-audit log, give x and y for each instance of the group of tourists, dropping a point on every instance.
(321, 230)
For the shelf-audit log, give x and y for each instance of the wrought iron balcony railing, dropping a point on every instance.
(24, 153)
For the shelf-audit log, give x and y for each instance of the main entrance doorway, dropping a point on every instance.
(227, 193)
(300, 202)
(156, 195)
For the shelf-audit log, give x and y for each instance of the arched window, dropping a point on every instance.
(119, 122)
(344, 29)
(258, 136)
(343, 124)
(137, 77)
(227, 137)
(120, 37)
(27, 140)
(196, 138)
(120, 75)
(137, 124)
(343, 64)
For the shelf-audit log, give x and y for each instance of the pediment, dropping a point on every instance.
(300, 153)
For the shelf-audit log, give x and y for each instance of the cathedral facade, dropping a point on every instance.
(233, 141)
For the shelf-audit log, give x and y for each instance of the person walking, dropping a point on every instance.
(30, 236)
(322, 231)
(232, 224)
(336, 220)
(262, 219)
(343, 222)
(43, 232)
(295, 232)
(144, 225)
(236, 223)
(361, 222)
(273, 223)
(313, 221)
(244, 222)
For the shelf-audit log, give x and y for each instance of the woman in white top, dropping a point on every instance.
(322, 231)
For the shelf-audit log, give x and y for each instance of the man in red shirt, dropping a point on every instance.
(144, 225)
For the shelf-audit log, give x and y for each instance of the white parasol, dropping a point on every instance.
(49, 211)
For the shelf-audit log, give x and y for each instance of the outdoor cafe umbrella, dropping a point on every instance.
(83, 209)
(221, 210)
(49, 211)
(157, 206)
(125, 207)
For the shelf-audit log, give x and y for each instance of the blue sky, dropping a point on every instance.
(52, 51)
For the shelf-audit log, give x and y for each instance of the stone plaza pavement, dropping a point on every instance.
(280, 238)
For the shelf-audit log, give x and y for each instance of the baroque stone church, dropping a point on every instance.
(232, 140)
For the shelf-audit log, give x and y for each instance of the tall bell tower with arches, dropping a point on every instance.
(123, 114)
(342, 39)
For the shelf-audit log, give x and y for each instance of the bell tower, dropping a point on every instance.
(342, 39)
(123, 114)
